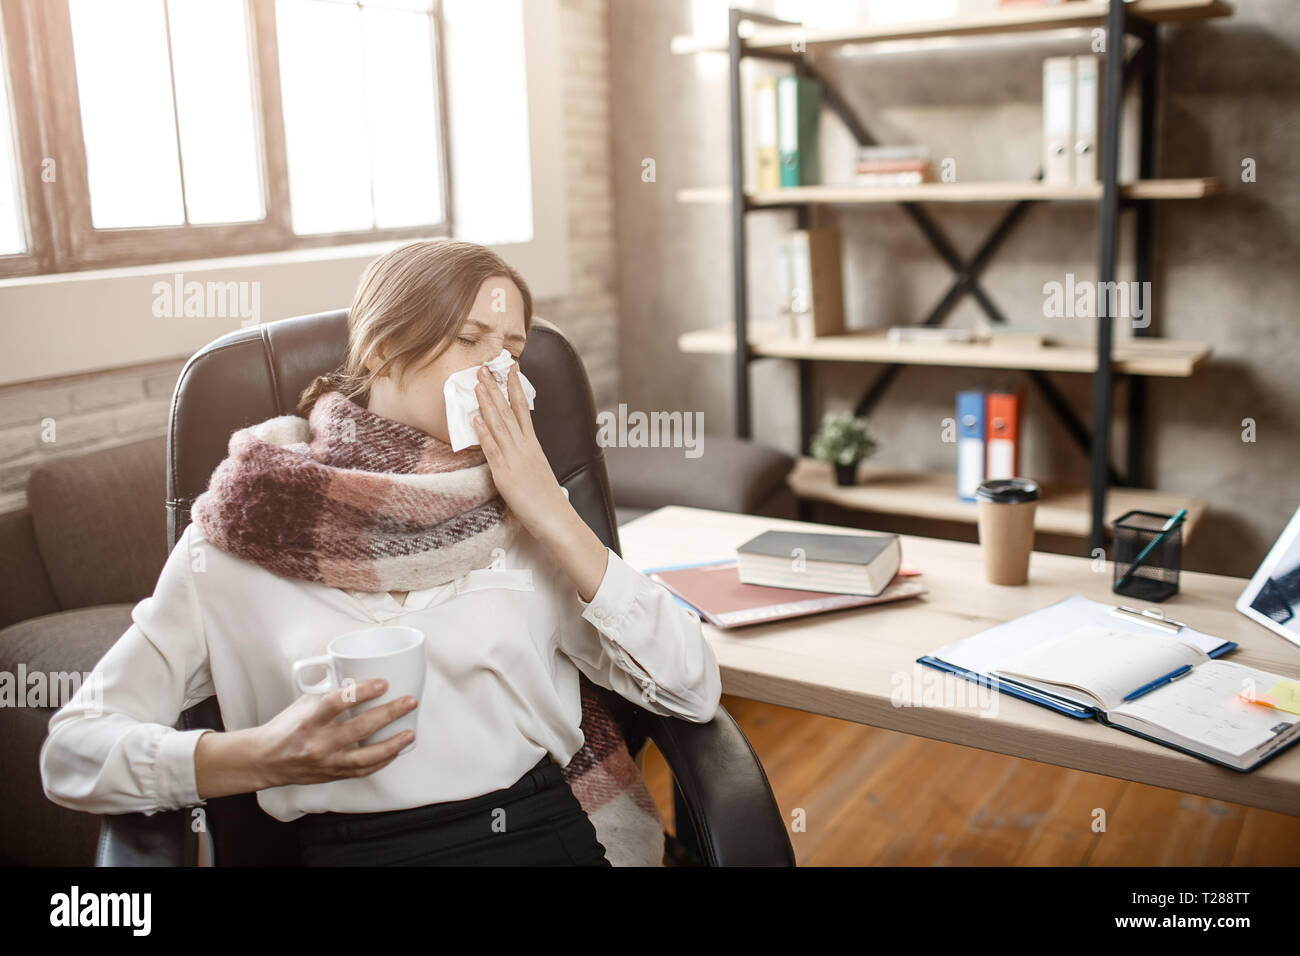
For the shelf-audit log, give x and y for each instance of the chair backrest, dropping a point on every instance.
(254, 374)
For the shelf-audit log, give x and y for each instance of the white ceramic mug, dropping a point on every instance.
(394, 653)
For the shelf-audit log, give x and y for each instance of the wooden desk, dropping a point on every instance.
(844, 664)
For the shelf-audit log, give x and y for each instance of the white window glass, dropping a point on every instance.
(402, 117)
(324, 96)
(13, 232)
(214, 102)
(487, 91)
(360, 114)
(125, 91)
(143, 68)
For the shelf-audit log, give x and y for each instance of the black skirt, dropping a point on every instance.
(535, 822)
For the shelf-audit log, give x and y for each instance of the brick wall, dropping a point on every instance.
(75, 414)
(589, 314)
(102, 409)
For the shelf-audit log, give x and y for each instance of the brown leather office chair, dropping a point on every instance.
(726, 814)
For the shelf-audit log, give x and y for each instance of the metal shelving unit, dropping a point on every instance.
(774, 39)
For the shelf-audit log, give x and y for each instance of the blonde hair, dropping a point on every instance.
(409, 305)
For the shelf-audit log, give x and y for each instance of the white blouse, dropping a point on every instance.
(504, 647)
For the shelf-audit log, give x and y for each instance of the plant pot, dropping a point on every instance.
(846, 474)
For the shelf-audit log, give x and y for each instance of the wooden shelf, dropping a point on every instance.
(1011, 20)
(1063, 510)
(1165, 358)
(989, 191)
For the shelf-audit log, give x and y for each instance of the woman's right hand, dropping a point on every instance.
(303, 744)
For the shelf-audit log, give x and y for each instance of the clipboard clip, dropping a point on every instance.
(1152, 617)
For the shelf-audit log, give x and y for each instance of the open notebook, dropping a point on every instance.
(1169, 688)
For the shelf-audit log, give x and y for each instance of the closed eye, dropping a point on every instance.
(514, 354)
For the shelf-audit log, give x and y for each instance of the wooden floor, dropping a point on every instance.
(873, 796)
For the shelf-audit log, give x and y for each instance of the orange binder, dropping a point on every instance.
(1002, 439)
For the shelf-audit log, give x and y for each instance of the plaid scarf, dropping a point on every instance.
(353, 500)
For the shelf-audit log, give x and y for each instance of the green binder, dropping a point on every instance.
(799, 100)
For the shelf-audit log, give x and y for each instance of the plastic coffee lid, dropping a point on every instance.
(1008, 490)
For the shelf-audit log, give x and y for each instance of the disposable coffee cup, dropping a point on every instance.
(394, 653)
(1006, 527)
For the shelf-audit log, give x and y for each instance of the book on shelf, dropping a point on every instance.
(1002, 434)
(970, 443)
(988, 438)
(897, 165)
(1058, 120)
(809, 260)
(769, 153)
(1072, 114)
(928, 335)
(798, 120)
(1087, 73)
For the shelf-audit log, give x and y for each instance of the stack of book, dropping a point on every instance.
(893, 166)
(783, 574)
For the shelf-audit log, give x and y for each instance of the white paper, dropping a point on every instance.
(1205, 707)
(985, 652)
(1107, 662)
(462, 403)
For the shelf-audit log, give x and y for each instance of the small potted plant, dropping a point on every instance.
(844, 440)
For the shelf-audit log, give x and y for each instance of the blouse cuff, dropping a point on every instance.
(174, 767)
(615, 596)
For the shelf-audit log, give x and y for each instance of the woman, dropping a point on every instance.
(363, 515)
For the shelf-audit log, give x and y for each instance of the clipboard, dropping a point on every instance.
(1051, 622)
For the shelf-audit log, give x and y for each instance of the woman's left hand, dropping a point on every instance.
(519, 467)
(525, 481)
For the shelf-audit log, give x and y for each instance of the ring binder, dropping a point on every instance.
(1152, 616)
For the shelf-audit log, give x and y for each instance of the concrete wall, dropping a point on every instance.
(1225, 267)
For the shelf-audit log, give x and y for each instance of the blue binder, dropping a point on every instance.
(970, 443)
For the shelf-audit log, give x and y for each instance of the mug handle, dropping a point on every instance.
(322, 687)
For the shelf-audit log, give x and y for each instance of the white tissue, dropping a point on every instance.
(462, 403)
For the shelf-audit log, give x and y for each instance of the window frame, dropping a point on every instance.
(47, 120)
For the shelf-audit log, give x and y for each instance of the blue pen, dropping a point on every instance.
(1158, 682)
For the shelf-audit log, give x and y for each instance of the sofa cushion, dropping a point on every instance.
(101, 523)
(65, 640)
(25, 589)
(730, 474)
(35, 831)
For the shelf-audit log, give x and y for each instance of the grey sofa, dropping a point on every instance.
(729, 475)
(89, 545)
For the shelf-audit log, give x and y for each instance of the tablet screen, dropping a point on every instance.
(1273, 596)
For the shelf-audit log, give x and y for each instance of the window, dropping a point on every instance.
(360, 114)
(13, 225)
(137, 131)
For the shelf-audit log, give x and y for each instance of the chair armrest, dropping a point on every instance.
(725, 791)
(134, 839)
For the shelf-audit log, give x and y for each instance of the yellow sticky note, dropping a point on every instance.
(1285, 695)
